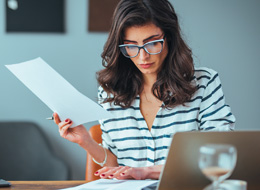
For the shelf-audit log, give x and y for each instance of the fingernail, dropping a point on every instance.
(96, 173)
(67, 120)
(122, 173)
(111, 175)
(103, 175)
(70, 122)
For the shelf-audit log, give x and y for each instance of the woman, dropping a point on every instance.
(150, 86)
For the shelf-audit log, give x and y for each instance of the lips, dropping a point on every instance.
(146, 65)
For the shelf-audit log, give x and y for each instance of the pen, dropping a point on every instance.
(50, 118)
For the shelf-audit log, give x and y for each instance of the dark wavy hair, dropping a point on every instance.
(122, 80)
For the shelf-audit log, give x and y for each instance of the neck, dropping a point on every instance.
(149, 80)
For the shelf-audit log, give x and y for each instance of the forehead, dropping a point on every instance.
(139, 33)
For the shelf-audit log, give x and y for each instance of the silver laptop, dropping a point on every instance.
(181, 170)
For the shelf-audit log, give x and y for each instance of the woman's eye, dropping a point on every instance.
(130, 47)
(151, 45)
(154, 43)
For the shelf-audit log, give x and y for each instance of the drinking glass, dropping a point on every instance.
(217, 162)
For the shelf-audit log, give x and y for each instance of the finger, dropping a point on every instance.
(64, 130)
(108, 174)
(106, 171)
(66, 126)
(126, 174)
(63, 123)
(118, 172)
(56, 118)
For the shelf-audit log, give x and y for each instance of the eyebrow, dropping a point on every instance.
(145, 40)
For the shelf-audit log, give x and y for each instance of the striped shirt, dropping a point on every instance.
(127, 135)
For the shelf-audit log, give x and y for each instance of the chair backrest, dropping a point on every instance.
(25, 154)
(91, 167)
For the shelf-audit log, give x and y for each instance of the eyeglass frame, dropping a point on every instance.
(142, 47)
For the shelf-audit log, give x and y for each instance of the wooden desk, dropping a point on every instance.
(46, 185)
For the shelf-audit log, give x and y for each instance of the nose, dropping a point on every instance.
(143, 55)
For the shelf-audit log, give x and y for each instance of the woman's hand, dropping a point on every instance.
(77, 134)
(80, 135)
(121, 172)
(126, 172)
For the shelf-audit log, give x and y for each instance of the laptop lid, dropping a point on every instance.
(181, 169)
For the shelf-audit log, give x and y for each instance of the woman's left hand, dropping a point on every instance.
(121, 172)
(126, 172)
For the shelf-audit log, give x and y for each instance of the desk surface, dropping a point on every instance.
(47, 185)
(54, 185)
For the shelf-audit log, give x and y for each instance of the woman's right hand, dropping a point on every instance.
(77, 134)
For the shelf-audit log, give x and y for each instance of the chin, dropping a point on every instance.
(146, 72)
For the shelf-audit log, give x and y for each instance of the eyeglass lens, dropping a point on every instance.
(154, 47)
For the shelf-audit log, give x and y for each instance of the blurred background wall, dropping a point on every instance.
(224, 35)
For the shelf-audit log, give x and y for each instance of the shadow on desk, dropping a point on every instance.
(27, 155)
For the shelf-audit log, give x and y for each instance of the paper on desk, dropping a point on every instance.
(110, 184)
(57, 93)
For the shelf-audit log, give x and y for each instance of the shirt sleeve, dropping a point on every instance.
(215, 114)
(106, 139)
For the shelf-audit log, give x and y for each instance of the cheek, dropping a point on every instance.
(134, 60)
(165, 50)
(163, 55)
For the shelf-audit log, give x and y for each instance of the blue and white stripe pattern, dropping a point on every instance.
(127, 134)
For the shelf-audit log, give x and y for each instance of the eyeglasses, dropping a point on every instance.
(152, 47)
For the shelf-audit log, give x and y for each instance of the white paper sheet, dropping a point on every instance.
(110, 184)
(57, 93)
